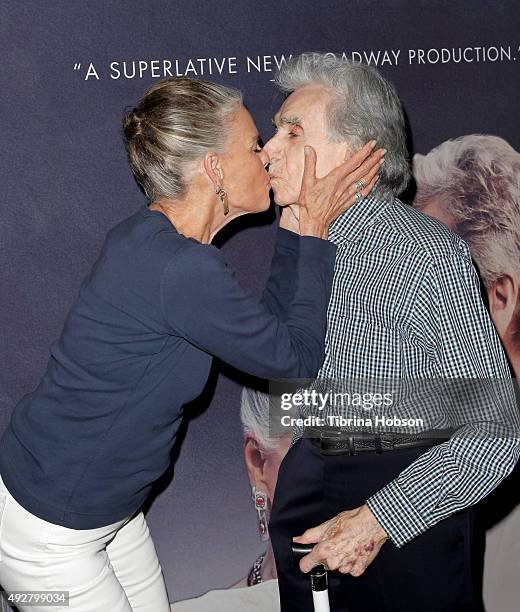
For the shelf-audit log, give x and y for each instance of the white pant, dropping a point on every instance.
(109, 569)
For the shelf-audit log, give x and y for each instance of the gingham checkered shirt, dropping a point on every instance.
(406, 304)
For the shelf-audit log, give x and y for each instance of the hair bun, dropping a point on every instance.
(132, 124)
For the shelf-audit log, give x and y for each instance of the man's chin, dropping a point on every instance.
(280, 200)
(281, 195)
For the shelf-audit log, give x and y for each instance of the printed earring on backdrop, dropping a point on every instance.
(223, 198)
(260, 501)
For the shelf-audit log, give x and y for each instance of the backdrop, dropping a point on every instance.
(69, 69)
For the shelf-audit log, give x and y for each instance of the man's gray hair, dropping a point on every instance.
(176, 122)
(476, 181)
(364, 106)
(254, 412)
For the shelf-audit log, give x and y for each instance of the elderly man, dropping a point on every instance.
(391, 510)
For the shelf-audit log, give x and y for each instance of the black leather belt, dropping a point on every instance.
(341, 442)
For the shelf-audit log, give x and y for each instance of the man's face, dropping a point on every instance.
(301, 121)
(434, 208)
(502, 294)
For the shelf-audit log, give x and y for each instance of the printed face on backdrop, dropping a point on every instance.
(433, 208)
(502, 294)
(243, 165)
(262, 468)
(300, 121)
(263, 464)
(490, 168)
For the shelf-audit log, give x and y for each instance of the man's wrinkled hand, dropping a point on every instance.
(349, 542)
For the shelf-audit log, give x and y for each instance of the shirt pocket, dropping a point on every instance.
(362, 346)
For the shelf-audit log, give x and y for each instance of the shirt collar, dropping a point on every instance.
(349, 226)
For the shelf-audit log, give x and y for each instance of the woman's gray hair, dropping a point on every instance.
(254, 413)
(476, 181)
(364, 106)
(176, 122)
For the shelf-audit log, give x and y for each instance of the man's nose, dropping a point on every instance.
(264, 156)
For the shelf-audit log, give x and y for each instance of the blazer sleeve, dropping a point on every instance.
(203, 302)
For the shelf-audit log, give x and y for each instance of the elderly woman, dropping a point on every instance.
(84, 448)
(264, 449)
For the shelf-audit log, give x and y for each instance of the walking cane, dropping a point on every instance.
(319, 580)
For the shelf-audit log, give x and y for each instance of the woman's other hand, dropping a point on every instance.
(322, 200)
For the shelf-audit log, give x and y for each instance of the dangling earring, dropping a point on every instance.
(223, 198)
(260, 501)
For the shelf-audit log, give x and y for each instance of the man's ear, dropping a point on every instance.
(255, 462)
(212, 168)
(503, 298)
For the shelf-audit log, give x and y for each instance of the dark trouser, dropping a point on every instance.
(438, 571)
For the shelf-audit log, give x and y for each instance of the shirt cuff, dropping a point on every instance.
(396, 514)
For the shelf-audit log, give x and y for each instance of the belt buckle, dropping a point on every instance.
(336, 435)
